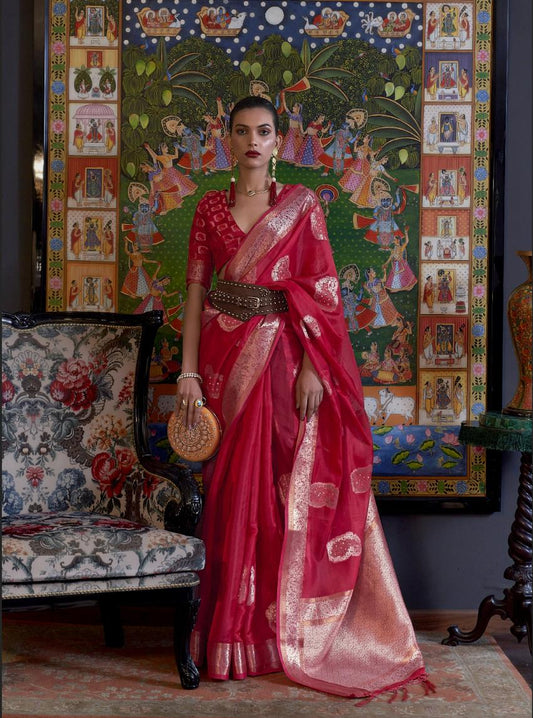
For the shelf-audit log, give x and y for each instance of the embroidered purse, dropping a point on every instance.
(198, 443)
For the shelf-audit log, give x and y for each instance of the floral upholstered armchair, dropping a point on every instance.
(86, 511)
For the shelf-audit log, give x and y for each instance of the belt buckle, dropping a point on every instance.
(255, 302)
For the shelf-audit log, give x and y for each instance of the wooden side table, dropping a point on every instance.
(506, 433)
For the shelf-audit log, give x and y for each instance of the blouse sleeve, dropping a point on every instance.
(201, 264)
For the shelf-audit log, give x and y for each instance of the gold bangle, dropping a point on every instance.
(189, 375)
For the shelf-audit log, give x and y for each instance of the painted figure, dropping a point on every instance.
(463, 190)
(80, 25)
(380, 302)
(79, 137)
(77, 188)
(75, 239)
(311, 147)
(432, 80)
(168, 186)
(294, 136)
(428, 295)
(74, 295)
(108, 240)
(110, 136)
(401, 277)
(359, 169)
(427, 345)
(432, 28)
(382, 226)
(137, 280)
(430, 192)
(428, 396)
(363, 196)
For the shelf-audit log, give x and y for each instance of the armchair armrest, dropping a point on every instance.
(182, 516)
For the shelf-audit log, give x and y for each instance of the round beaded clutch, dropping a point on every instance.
(198, 443)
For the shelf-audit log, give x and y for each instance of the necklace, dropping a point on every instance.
(253, 192)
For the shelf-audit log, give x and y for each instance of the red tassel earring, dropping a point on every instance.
(273, 197)
(231, 200)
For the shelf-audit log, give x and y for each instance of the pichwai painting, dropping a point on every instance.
(385, 114)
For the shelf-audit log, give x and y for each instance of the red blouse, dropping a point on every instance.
(214, 238)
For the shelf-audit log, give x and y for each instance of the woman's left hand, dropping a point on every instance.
(309, 390)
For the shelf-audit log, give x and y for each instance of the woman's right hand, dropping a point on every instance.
(189, 401)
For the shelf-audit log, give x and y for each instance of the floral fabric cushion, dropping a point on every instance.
(74, 546)
(67, 424)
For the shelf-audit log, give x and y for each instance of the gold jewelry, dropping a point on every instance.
(231, 198)
(273, 188)
(253, 192)
(199, 403)
(189, 375)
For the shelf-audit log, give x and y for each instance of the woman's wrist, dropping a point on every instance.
(189, 375)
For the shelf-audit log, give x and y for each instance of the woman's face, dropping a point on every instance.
(253, 137)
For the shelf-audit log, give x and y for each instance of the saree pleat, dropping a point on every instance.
(298, 574)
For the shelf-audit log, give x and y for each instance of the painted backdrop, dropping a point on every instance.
(385, 112)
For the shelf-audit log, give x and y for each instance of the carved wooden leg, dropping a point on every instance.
(184, 619)
(110, 613)
(520, 551)
(516, 604)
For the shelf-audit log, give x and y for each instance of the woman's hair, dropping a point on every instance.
(251, 102)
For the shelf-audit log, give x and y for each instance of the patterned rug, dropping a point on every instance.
(60, 670)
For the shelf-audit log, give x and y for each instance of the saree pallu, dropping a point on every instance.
(298, 575)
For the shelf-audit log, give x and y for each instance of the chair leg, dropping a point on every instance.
(184, 620)
(110, 614)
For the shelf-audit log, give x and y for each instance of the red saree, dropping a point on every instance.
(298, 576)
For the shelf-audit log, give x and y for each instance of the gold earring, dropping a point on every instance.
(273, 197)
(231, 199)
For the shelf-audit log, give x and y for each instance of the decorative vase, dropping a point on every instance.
(519, 314)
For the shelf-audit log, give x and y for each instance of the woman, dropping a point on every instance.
(380, 302)
(359, 169)
(216, 143)
(463, 190)
(431, 83)
(295, 134)
(80, 24)
(111, 31)
(75, 240)
(428, 295)
(79, 137)
(363, 195)
(288, 494)
(430, 192)
(432, 31)
(168, 186)
(137, 280)
(401, 277)
(458, 397)
(77, 188)
(110, 136)
(108, 240)
(464, 83)
(311, 147)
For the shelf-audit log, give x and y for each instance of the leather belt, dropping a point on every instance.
(243, 301)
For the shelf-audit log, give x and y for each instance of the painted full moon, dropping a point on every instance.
(274, 15)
